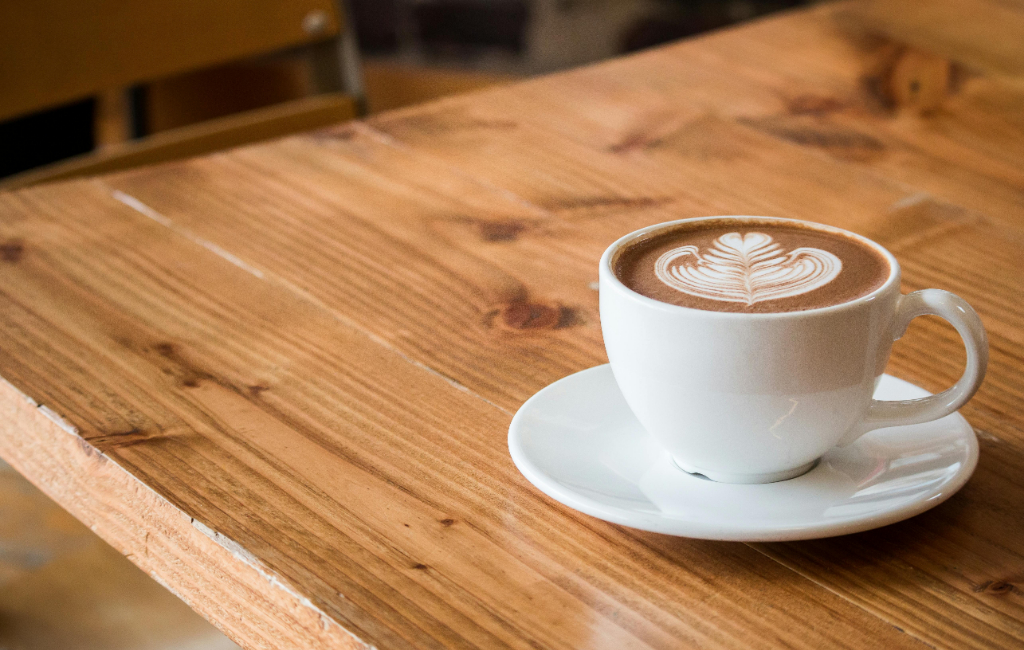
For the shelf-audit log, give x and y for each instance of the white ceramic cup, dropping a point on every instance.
(757, 398)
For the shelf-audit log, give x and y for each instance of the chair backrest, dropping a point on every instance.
(56, 51)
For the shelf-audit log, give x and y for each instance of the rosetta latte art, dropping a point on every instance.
(746, 268)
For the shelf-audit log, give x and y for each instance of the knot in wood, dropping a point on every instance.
(506, 230)
(918, 81)
(996, 587)
(523, 315)
(12, 250)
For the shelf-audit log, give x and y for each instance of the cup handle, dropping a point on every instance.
(955, 310)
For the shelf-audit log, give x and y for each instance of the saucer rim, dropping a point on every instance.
(738, 531)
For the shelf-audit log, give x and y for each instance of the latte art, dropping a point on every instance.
(750, 265)
(747, 268)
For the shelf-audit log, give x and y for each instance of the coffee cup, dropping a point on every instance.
(750, 346)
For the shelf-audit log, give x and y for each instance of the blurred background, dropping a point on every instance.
(98, 85)
(94, 79)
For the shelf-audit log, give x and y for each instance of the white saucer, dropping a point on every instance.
(579, 443)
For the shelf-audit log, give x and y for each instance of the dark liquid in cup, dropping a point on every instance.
(752, 267)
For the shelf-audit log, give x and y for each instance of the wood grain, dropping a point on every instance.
(105, 601)
(314, 346)
(457, 346)
(247, 602)
(367, 483)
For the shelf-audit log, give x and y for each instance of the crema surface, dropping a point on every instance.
(745, 266)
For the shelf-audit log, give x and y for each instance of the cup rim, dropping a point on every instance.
(613, 280)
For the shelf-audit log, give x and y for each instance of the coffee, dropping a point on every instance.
(751, 266)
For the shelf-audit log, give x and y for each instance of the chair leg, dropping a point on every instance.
(336, 63)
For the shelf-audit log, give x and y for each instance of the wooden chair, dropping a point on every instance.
(53, 52)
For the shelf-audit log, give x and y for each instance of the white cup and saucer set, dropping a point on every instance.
(745, 397)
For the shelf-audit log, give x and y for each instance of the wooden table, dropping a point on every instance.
(280, 379)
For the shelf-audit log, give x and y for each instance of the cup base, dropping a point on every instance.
(767, 477)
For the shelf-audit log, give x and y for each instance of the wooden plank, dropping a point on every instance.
(968, 152)
(493, 301)
(105, 601)
(809, 78)
(209, 572)
(442, 179)
(996, 406)
(890, 213)
(463, 237)
(330, 480)
(55, 52)
(379, 186)
(500, 227)
(213, 135)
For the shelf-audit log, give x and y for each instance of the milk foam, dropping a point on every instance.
(746, 268)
